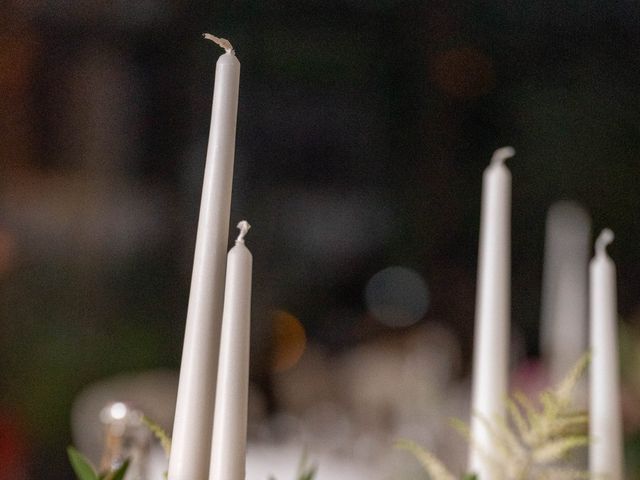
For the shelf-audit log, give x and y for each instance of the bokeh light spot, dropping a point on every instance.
(289, 341)
(118, 411)
(397, 296)
(463, 72)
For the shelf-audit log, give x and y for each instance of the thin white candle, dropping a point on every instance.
(493, 304)
(230, 425)
(191, 444)
(605, 419)
(565, 297)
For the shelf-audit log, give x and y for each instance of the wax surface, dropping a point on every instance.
(605, 418)
(191, 445)
(230, 424)
(493, 303)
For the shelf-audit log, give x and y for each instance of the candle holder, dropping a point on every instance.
(127, 440)
(116, 466)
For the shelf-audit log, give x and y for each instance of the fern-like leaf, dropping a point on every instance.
(557, 449)
(159, 433)
(434, 467)
(531, 442)
(564, 390)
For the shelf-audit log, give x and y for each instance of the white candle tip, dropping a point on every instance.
(221, 42)
(500, 155)
(244, 228)
(604, 239)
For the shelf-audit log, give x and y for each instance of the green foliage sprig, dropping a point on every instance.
(306, 471)
(85, 470)
(531, 443)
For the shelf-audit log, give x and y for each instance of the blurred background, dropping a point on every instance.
(363, 131)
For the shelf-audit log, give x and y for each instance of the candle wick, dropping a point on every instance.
(604, 239)
(221, 42)
(501, 154)
(244, 228)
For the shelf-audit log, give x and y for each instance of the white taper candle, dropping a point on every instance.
(191, 445)
(605, 418)
(493, 304)
(565, 289)
(228, 450)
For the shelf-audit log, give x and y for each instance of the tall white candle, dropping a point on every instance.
(565, 293)
(191, 446)
(493, 304)
(230, 424)
(605, 419)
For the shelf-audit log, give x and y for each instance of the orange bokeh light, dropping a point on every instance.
(289, 341)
